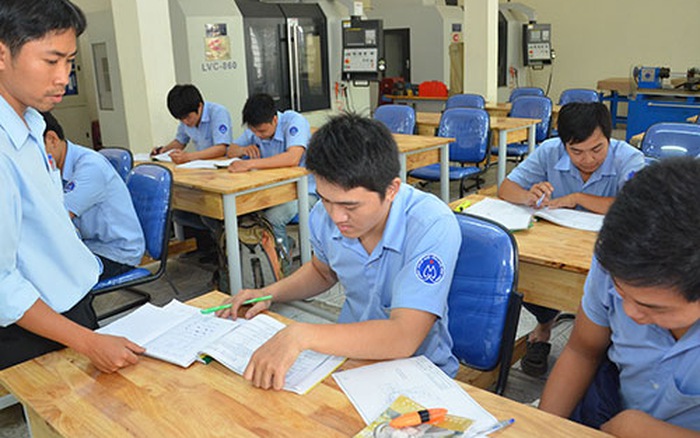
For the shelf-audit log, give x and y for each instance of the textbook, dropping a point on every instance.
(181, 334)
(517, 217)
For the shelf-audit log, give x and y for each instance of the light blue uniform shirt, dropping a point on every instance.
(292, 130)
(100, 201)
(550, 162)
(214, 128)
(658, 375)
(411, 266)
(41, 256)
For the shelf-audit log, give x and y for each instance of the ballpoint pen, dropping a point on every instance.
(227, 306)
(490, 429)
(539, 201)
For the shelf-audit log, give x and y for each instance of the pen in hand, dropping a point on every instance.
(540, 200)
(228, 306)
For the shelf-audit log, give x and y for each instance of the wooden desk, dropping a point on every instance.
(554, 262)
(502, 109)
(64, 395)
(693, 119)
(504, 130)
(224, 195)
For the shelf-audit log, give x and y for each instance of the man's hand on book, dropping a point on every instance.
(269, 364)
(237, 301)
(110, 353)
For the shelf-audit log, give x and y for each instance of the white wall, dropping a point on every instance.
(597, 39)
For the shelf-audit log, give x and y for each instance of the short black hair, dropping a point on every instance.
(352, 151)
(22, 21)
(650, 235)
(53, 125)
(183, 100)
(578, 120)
(259, 109)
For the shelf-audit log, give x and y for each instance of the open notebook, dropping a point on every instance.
(517, 217)
(180, 334)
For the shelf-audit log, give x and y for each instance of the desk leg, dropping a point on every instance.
(531, 131)
(502, 149)
(303, 205)
(232, 253)
(403, 171)
(445, 172)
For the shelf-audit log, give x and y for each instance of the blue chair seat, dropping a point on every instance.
(513, 150)
(431, 172)
(127, 277)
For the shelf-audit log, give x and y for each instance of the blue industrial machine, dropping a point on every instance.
(650, 77)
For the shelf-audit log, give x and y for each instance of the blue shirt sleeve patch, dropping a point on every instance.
(223, 129)
(69, 187)
(293, 130)
(430, 269)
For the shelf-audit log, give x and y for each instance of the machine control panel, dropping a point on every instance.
(360, 60)
(537, 44)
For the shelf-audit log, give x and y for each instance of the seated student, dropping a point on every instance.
(639, 320)
(280, 139)
(393, 249)
(582, 169)
(46, 273)
(98, 202)
(206, 124)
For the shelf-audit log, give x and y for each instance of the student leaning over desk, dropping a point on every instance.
(639, 320)
(393, 249)
(584, 169)
(46, 273)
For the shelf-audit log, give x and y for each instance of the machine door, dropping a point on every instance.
(307, 57)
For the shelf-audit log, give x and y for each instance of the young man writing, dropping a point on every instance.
(206, 124)
(584, 169)
(639, 320)
(393, 249)
(46, 272)
(97, 201)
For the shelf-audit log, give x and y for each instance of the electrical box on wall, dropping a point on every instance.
(537, 44)
(363, 49)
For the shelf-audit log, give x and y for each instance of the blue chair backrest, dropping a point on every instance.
(534, 107)
(525, 91)
(465, 101)
(150, 186)
(470, 127)
(121, 159)
(583, 95)
(400, 119)
(667, 139)
(485, 277)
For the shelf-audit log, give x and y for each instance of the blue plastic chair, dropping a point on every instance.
(525, 91)
(529, 107)
(470, 128)
(400, 119)
(669, 139)
(484, 306)
(150, 186)
(465, 101)
(121, 159)
(582, 95)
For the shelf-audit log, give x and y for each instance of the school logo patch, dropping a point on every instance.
(430, 269)
(293, 130)
(69, 187)
(223, 129)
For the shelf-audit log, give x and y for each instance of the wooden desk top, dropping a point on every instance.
(223, 182)
(551, 245)
(433, 119)
(623, 86)
(154, 398)
(693, 119)
(417, 98)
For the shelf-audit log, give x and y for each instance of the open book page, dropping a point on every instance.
(142, 156)
(373, 388)
(235, 350)
(566, 217)
(512, 216)
(147, 322)
(165, 156)
(207, 164)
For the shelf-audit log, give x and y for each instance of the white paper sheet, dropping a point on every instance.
(512, 216)
(207, 164)
(566, 217)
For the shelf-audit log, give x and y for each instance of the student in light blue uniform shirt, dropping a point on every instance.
(98, 202)
(584, 169)
(280, 140)
(206, 124)
(632, 364)
(391, 247)
(46, 272)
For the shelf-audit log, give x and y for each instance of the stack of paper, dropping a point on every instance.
(207, 164)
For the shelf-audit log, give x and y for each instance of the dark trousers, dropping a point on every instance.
(111, 268)
(543, 314)
(602, 399)
(18, 345)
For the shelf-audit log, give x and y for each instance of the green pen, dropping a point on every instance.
(228, 306)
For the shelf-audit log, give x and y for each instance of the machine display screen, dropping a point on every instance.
(535, 36)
